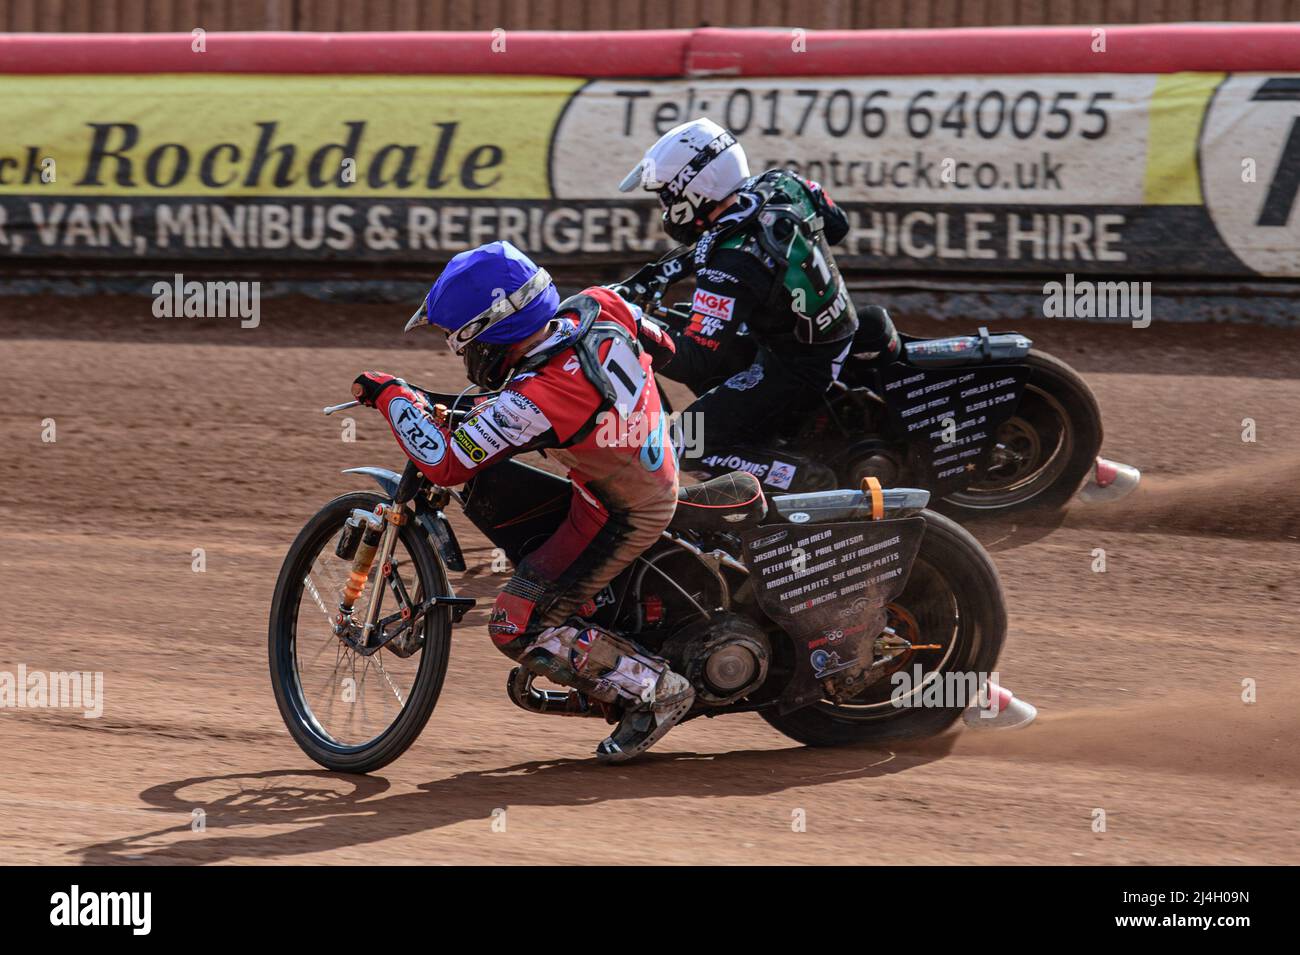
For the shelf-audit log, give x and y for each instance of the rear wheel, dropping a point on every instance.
(348, 711)
(1045, 451)
(953, 598)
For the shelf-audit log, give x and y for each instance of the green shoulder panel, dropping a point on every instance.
(789, 230)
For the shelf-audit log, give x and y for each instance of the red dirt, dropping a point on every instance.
(173, 435)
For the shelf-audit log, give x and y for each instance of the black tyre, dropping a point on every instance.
(348, 712)
(953, 598)
(1044, 452)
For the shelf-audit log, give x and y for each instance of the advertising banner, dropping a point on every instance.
(1177, 173)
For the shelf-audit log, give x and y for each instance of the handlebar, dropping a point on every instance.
(454, 415)
(672, 315)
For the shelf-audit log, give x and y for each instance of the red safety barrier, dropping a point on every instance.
(649, 53)
(1156, 48)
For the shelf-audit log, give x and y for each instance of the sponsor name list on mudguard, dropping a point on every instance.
(950, 417)
(826, 585)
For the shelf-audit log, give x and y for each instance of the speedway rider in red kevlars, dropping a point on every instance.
(559, 370)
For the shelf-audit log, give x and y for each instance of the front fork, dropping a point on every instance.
(377, 539)
(369, 538)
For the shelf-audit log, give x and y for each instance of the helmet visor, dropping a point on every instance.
(634, 178)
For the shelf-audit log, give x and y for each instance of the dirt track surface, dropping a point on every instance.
(173, 435)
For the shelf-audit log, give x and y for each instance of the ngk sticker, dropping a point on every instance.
(714, 306)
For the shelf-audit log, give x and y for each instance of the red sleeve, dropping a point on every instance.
(491, 433)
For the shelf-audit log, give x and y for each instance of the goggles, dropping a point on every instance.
(497, 312)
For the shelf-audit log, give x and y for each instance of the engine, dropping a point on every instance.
(723, 654)
(725, 657)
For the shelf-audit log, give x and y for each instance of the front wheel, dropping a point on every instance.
(348, 711)
(953, 599)
(1044, 452)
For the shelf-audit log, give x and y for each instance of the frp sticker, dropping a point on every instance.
(420, 437)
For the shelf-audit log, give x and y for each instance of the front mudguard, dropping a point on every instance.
(434, 523)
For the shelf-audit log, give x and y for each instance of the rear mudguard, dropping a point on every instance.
(948, 416)
(826, 585)
(434, 523)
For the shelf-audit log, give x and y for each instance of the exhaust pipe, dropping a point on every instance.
(522, 693)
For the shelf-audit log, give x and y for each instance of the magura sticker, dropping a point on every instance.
(420, 437)
(467, 449)
(481, 428)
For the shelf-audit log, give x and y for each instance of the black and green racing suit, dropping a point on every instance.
(771, 322)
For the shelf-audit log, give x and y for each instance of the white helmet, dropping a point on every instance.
(691, 168)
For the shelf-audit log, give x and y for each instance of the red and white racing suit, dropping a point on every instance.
(621, 464)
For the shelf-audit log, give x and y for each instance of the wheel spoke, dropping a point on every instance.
(322, 683)
(396, 692)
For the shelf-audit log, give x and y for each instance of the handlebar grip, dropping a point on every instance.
(672, 317)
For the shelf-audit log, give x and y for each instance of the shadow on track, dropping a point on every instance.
(317, 811)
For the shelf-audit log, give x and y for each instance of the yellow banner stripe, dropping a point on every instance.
(1177, 109)
(259, 135)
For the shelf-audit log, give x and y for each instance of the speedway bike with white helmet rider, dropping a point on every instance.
(771, 318)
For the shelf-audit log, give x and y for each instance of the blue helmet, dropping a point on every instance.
(487, 299)
(475, 281)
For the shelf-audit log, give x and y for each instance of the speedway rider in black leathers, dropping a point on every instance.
(762, 265)
(771, 319)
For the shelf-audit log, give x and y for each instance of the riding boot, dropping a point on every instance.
(609, 667)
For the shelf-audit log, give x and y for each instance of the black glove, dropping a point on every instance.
(641, 286)
(369, 385)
